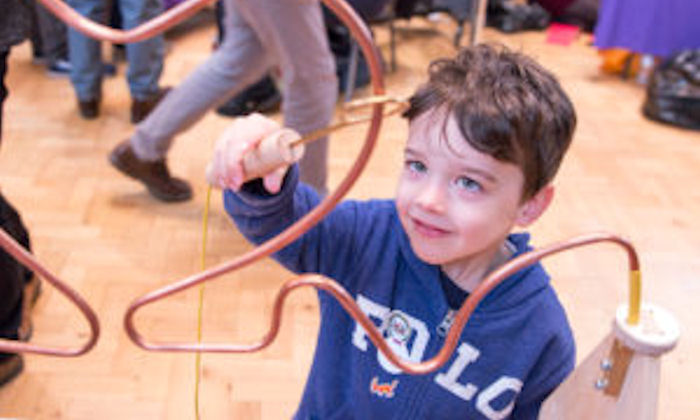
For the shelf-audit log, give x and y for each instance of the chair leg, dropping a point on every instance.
(478, 20)
(459, 33)
(392, 43)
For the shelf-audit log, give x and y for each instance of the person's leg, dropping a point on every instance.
(145, 58)
(239, 61)
(294, 33)
(85, 55)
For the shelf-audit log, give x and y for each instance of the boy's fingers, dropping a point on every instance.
(219, 171)
(234, 159)
(273, 181)
(236, 176)
(213, 171)
(240, 137)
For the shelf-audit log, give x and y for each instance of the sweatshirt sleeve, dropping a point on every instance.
(328, 248)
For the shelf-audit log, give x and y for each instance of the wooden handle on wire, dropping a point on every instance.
(277, 150)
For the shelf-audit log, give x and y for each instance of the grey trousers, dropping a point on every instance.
(260, 34)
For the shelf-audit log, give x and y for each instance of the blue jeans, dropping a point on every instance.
(145, 58)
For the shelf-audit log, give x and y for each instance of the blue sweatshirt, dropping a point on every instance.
(515, 349)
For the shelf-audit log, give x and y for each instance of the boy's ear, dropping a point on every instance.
(533, 208)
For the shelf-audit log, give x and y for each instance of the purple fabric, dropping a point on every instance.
(658, 27)
(171, 3)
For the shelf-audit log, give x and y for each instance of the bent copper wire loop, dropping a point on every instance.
(143, 31)
(12, 346)
(102, 32)
(360, 33)
(397, 105)
(348, 303)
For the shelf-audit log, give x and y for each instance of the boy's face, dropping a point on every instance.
(456, 204)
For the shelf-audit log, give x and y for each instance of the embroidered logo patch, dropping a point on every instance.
(397, 328)
(385, 390)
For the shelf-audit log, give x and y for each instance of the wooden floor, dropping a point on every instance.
(112, 242)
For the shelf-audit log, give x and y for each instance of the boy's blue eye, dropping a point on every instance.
(415, 166)
(468, 184)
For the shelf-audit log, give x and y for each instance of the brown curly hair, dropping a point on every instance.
(506, 105)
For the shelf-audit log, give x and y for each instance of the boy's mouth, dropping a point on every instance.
(428, 230)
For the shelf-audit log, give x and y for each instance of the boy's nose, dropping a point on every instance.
(431, 197)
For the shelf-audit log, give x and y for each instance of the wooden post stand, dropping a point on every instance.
(620, 379)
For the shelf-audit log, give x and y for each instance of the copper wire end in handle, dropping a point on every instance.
(348, 115)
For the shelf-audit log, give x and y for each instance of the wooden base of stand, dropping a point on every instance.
(620, 378)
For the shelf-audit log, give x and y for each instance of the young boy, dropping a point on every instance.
(486, 136)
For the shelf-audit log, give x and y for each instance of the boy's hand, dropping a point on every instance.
(239, 141)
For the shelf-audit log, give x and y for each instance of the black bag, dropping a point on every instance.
(673, 94)
(510, 16)
(405, 9)
(13, 275)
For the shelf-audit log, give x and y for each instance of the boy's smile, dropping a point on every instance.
(428, 230)
(456, 204)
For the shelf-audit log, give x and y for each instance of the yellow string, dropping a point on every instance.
(198, 356)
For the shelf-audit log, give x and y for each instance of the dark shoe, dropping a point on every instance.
(10, 367)
(141, 109)
(154, 175)
(89, 109)
(262, 97)
(62, 68)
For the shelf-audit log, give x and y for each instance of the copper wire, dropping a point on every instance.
(361, 34)
(12, 346)
(105, 33)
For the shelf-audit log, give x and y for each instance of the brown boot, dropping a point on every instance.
(10, 367)
(141, 109)
(154, 175)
